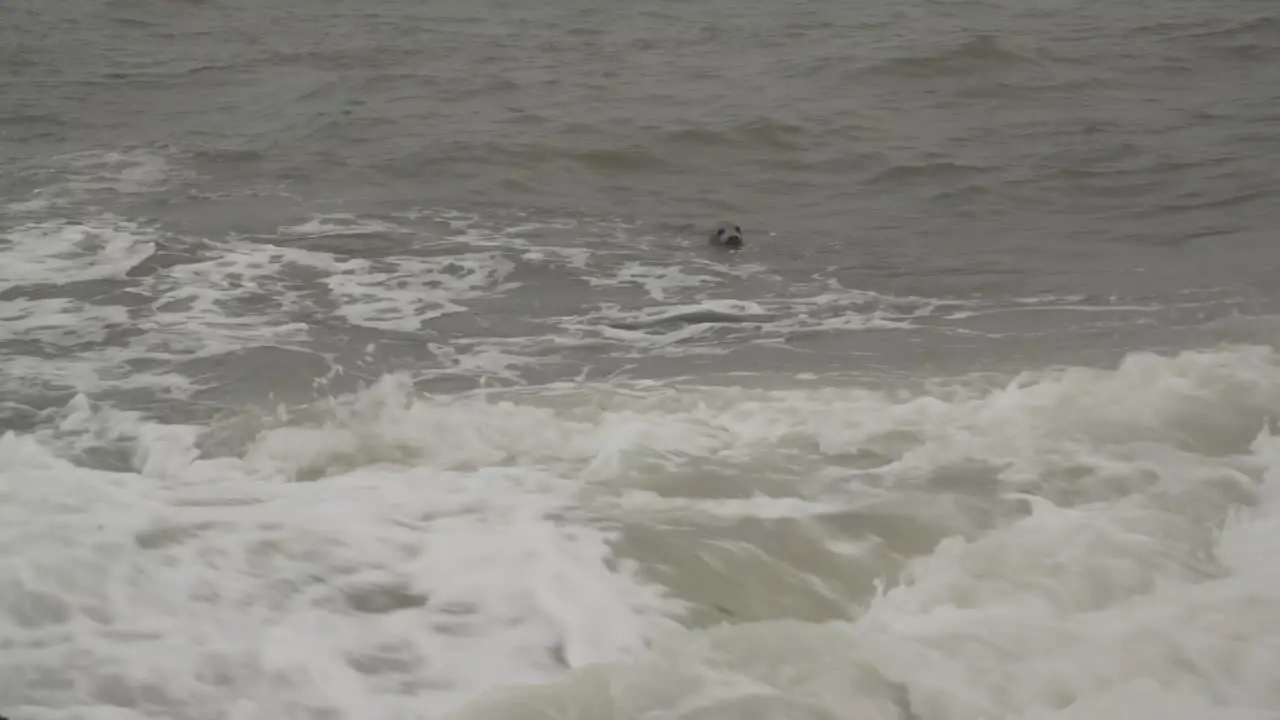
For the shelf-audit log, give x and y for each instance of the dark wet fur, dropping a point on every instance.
(727, 235)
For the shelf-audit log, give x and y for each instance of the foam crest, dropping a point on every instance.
(63, 251)
(233, 295)
(174, 301)
(207, 299)
(1110, 606)
(202, 586)
(1063, 543)
(1160, 411)
(190, 300)
(403, 293)
(1043, 427)
(60, 321)
(1102, 610)
(390, 422)
(341, 224)
(123, 171)
(709, 325)
(80, 178)
(659, 281)
(469, 554)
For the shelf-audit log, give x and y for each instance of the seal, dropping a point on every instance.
(727, 235)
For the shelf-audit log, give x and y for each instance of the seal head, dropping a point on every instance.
(727, 235)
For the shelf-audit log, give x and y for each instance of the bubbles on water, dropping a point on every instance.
(404, 293)
(56, 252)
(481, 552)
(458, 299)
(1070, 542)
(301, 596)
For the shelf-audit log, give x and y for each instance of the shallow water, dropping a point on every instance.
(370, 360)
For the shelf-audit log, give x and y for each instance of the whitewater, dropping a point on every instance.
(199, 520)
(368, 361)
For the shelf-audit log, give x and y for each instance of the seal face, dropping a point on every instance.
(727, 235)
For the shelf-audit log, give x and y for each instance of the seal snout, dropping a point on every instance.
(727, 235)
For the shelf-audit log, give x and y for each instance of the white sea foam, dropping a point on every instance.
(459, 555)
(60, 321)
(196, 298)
(202, 585)
(1108, 608)
(481, 359)
(1071, 542)
(83, 178)
(403, 293)
(233, 299)
(62, 251)
(125, 171)
(678, 328)
(342, 224)
(658, 281)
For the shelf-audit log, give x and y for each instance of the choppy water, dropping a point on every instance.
(368, 360)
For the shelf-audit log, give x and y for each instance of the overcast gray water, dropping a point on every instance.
(369, 361)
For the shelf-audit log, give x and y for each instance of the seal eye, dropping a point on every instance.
(719, 232)
(737, 229)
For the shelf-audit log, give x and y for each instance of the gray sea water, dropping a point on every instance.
(369, 361)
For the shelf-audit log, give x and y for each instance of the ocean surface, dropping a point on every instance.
(368, 361)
